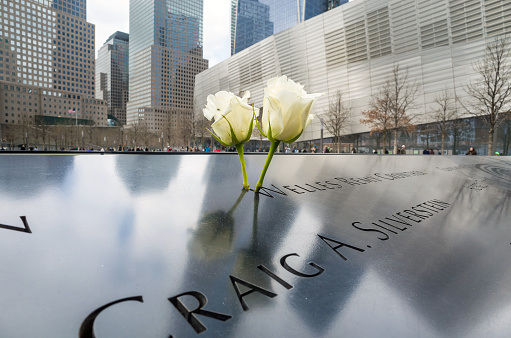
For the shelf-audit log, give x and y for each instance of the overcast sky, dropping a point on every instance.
(111, 16)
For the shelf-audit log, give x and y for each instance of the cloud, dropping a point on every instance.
(108, 17)
(217, 30)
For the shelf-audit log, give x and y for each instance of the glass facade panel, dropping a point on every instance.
(255, 20)
(112, 75)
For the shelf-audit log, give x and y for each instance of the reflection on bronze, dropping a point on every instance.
(214, 236)
(190, 315)
(87, 327)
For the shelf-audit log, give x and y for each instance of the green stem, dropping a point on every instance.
(239, 148)
(273, 148)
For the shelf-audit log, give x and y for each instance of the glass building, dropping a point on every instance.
(254, 20)
(165, 54)
(112, 75)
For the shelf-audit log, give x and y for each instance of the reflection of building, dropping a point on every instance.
(112, 75)
(354, 47)
(254, 20)
(47, 47)
(165, 55)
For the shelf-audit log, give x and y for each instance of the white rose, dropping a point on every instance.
(286, 109)
(233, 117)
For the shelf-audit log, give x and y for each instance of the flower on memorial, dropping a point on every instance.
(234, 121)
(286, 110)
(286, 114)
(233, 117)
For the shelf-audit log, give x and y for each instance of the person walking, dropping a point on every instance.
(471, 151)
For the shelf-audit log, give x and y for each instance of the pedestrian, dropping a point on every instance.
(403, 151)
(471, 151)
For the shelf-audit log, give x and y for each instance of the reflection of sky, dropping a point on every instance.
(99, 236)
(90, 233)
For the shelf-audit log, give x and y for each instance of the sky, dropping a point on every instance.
(110, 16)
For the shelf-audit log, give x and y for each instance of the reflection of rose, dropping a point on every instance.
(213, 238)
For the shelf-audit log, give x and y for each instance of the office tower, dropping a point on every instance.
(112, 75)
(165, 54)
(254, 20)
(47, 63)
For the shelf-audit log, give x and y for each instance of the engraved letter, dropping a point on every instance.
(275, 277)
(371, 229)
(328, 240)
(86, 330)
(298, 273)
(190, 315)
(251, 286)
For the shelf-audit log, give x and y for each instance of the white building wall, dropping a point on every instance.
(355, 47)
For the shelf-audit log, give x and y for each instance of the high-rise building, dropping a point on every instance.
(254, 20)
(165, 54)
(112, 75)
(47, 62)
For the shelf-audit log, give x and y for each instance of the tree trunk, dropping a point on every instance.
(395, 141)
(384, 144)
(491, 131)
(443, 140)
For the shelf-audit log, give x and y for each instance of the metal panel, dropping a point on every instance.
(369, 246)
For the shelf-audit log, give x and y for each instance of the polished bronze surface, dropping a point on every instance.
(137, 245)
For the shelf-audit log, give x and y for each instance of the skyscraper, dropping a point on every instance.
(254, 20)
(165, 54)
(47, 49)
(112, 75)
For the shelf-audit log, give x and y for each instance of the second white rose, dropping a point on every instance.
(286, 109)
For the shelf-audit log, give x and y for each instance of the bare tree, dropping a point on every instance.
(378, 117)
(445, 111)
(144, 132)
(490, 94)
(402, 99)
(185, 127)
(42, 130)
(336, 118)
(91, 132)
(10, 135)
(461, 130)
(25, 130)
